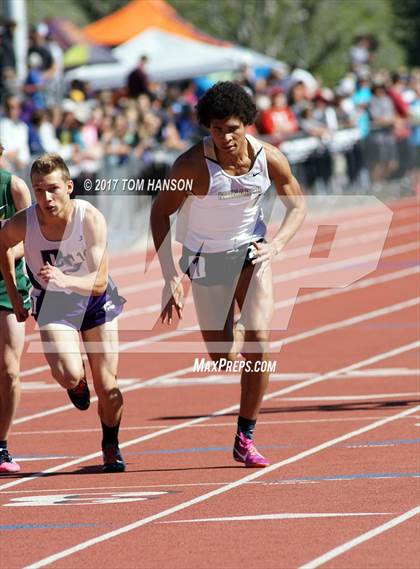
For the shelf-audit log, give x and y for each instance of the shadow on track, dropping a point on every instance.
(340, 407)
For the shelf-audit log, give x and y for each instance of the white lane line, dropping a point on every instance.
(216, 492)
(287, 340)
(134, 387)
(51, 385)
(352, 240)
(154, 345)
(303, 252)
(34, 370)
(127, 487)
(28, 386)
(47, 413)
(302, 236)
(280, 304)
(284, 341)
(41, 458)
(185, 424)
(283, 516)
(333, 553)
(34, 386)
(199, 346)
(215, 425)
(233, 378)
(350, 397)
(364, 283)
(390, 251)
(87, 430)
(385, 372)
(230, 379)
(165, 486)
(348, 322)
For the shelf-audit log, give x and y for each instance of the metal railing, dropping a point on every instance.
(343, 164)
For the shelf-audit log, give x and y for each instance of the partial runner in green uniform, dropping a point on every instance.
(14, 196)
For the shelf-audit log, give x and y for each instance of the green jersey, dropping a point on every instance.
(7, 210)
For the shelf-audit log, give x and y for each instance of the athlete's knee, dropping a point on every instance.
(9, 379)
(65, 377)
(256, 345)
(109, 394)
(222, 358)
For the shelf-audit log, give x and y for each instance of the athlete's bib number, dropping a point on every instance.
(197, 267)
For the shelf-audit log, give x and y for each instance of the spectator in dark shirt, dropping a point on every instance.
(297, 98)
(8, 57)
(34, 83)
(384, 120)
(39, 45)
(138, 81)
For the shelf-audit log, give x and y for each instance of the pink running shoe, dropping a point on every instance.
(7, 464)
(244, 451)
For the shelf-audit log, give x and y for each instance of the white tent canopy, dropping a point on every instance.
(171, 58)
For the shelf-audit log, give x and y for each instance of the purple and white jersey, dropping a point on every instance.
(69, 254)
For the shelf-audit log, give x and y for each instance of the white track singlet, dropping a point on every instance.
(69, 255)
(230, 215)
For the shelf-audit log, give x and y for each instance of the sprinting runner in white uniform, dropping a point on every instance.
(51, 303)
(230, 215)
(223, 232)
(69, 254)
(67, 261)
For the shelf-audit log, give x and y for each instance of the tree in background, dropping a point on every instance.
(96, 9)
(407, 28)
(80, 12)
(314, 34)
(39, 10)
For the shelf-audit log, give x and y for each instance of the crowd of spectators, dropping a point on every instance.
(109, 129)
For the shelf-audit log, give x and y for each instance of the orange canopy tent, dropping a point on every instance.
(138, 16)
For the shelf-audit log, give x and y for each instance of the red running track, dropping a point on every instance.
(340, 423)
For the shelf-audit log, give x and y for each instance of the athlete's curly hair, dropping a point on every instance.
(223, 100)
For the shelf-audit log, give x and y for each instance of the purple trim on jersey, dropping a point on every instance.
(78, 311)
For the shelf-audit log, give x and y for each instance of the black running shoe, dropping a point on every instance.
(113, 460)
(80, 395)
